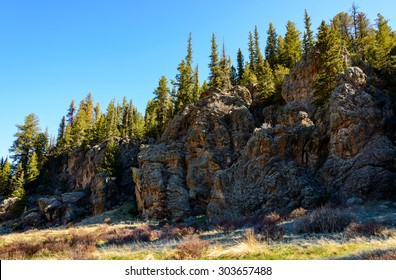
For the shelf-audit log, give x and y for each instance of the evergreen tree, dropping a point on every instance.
(271, 47)
(249, 79)
(111, 162)
(292, 45)
(252, 55)
(265, 82)
(150, 119)
(131, 120)
(280, 73)
(234, 76)
(32, 169)
(342, 23)
(97, 112)
(281, 52)
(71, 113)
(111, 121)
(100, 130)
(61, 130)
(308, 40)
(329, 47)
(5, 177)
(215, 72)
(162, 98)
(18, 182)
(25, 142)
(196, 90)
(240, 65)
(385, 42)
(184, 79)
(204, 86)
(225, 69)
(42, 147)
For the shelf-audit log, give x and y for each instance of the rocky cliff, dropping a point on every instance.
(175, 176)
(212, 160)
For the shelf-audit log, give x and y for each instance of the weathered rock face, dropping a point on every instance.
(175, 176)
(341, 153)
(362, 160)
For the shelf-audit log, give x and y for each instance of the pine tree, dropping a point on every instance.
(71, 113)
(97, 112)
(234, 76)
(42, 147)
(5, 177)
(131, 120)
(265, 82)
(196, 90)
(225, 69)
(385, 42)
(184, 79)
(162, 98)
(111, 162)
(111, 121)
(240, 65)
(308, 40)
(215, 72)
(18, 182)
(252, 55)
(249, 79)
(150, 119)
(329, 47)
(25, 142)
(271, 47)
(342, 23)
(292, 45)
(281, 52)
(32, 169)
(100, 130)
(280, 73)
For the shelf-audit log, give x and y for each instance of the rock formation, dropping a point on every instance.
(211, 159)
(175, 176)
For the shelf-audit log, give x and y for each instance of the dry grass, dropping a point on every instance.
(141, 241)
(191, 248)
(376, 255)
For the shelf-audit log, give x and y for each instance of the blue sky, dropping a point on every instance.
(54, 51)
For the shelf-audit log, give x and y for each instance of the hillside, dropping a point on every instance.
(297, 131)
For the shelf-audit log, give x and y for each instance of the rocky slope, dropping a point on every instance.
(212, 160)
(77, 189)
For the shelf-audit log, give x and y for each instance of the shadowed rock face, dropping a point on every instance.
(175, 177)
(342, 153)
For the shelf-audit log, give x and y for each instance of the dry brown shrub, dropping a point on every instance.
(273, 217)
(191, 248)
(323, 220)
(19, 250)
(124, 235)
(370, 229)
(268, 229)
(298, 212)
(176, 232)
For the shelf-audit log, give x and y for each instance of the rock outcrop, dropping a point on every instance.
(175, 176)
(343, 153)
(211, 160)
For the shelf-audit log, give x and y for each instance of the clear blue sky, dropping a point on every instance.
(54, 51)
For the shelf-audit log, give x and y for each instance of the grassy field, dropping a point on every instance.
(114, 239)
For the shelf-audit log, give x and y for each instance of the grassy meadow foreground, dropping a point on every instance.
(361, 232)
